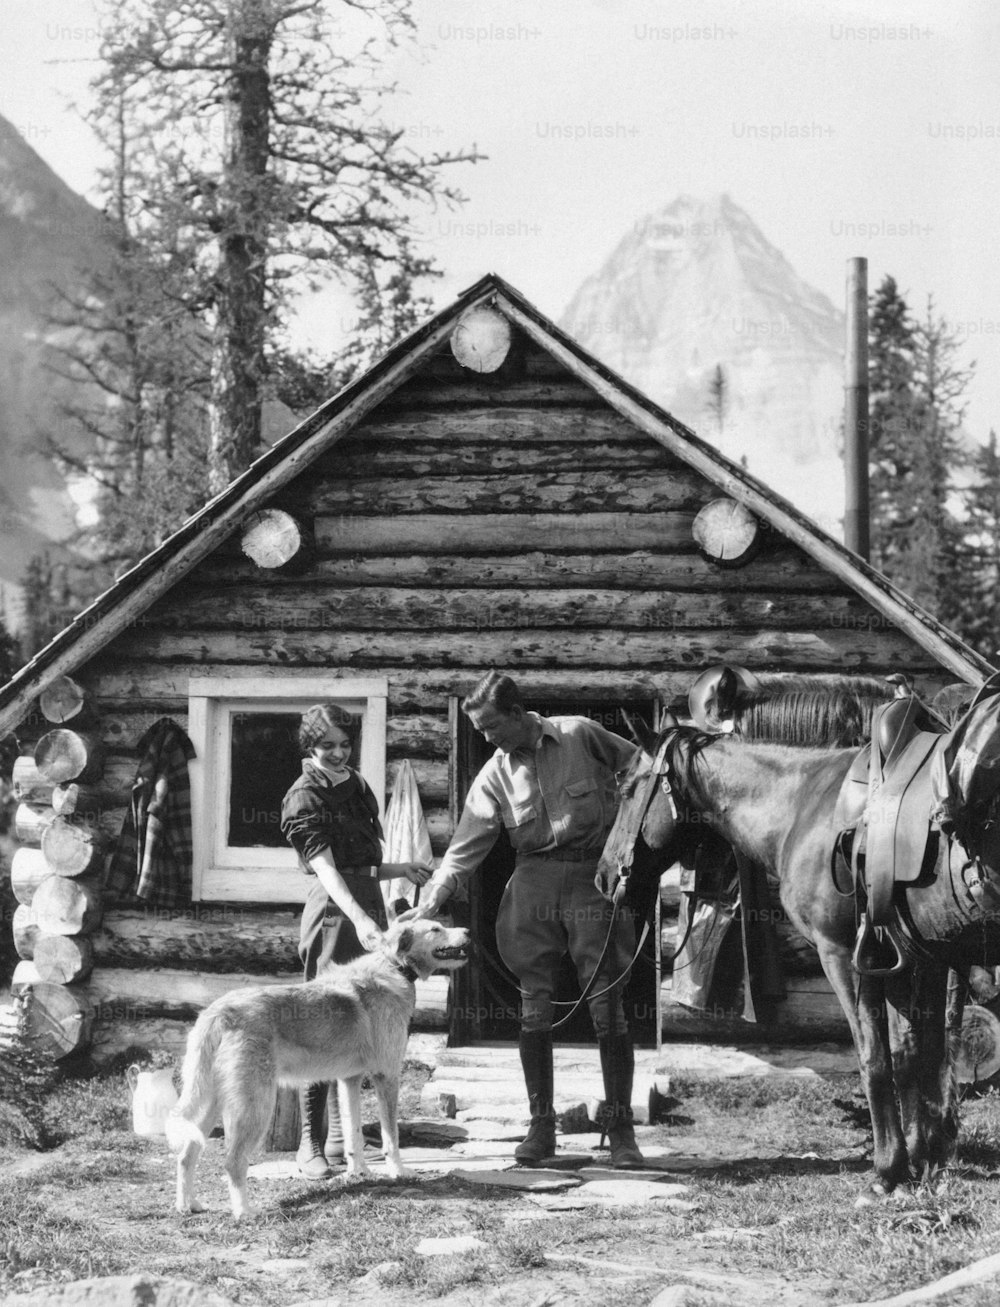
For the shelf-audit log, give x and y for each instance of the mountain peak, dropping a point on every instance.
(695, 286)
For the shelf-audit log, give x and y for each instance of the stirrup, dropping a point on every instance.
(865, 932)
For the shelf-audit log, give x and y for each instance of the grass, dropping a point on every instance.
(777, 1206)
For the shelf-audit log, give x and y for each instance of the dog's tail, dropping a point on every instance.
(194, 1111)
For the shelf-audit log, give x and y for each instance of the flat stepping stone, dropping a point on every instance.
(452, 1246)
(427, 1131)
(620, 1193)
(536, 1180)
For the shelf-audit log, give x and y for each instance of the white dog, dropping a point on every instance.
(349, 1022)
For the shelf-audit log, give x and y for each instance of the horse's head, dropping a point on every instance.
(649, 832)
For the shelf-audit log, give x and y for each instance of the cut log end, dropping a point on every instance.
(481, 340)
(64, 701)
(726, 532)
(273, 538)
(64, 755)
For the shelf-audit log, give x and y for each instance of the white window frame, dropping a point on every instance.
(223, 873)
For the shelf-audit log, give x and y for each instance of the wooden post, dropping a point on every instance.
(856, 512)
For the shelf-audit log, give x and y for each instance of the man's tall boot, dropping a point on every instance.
(618, 1069)
(310, 1159)
(333, 1149)
(535, 1047)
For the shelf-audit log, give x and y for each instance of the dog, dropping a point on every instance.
(349, 1022)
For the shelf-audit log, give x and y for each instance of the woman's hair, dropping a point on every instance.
(318, 719)
(495, 689)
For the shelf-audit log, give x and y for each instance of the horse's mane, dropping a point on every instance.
(803, 709)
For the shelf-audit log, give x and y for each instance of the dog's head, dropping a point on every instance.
(427, 946)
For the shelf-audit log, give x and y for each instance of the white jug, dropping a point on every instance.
(153, 1095)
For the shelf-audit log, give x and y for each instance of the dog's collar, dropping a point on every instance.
(406, 971)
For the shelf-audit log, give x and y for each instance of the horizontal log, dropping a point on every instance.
(272, 538)
(876, 652)
(64, 701)
(489, 533)
(355, 459)
(28, 783)
(113, 1038)
(73, 849)
(124, 679)
(319, 607)
(638, 569)
(121, 1034)
(24, 929)
(564, 492)
(205, 937)
(810, 1013)
(58, 1018)
(63, 959)
(500, 428)
(30, 821)
(65, 755)
(488, 391)
(67, 907)
(27, 871)
(120, 994)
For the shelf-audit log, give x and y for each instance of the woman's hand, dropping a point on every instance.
(369, 935)
(417, 873)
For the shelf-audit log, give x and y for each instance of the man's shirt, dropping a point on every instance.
(558, 794)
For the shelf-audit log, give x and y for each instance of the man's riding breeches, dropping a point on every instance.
(550, 908)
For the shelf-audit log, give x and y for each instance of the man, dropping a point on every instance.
(551, 785)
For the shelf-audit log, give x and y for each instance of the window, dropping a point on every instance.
(244, 731)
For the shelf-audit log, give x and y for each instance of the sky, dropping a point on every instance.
(843, 129)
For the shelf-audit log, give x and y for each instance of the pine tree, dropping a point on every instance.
(980, 599)
(263, 149)
(893, 420)
(718, 398)
(916, 388)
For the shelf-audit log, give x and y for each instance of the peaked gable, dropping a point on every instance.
(132, 595)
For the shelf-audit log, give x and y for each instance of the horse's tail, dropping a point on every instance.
(194, 1111)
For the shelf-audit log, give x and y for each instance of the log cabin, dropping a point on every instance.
(486, 495)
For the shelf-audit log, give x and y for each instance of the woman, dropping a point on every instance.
(330, 817)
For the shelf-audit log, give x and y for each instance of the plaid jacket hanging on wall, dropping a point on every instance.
(153, 858)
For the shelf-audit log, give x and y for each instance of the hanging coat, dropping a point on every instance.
(154, 855)
(407, 838)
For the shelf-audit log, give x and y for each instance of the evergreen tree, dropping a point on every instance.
(980, 600)
(718, 398)
(916, 389)
(263, 152)
(892, 420)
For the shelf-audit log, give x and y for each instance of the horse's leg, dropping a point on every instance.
(923, 1060)
(869, 1029)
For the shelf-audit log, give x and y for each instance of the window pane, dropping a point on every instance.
(264, 762)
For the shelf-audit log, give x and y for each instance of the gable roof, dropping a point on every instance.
(137, 589)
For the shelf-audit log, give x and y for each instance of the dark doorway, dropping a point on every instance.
(485, 999)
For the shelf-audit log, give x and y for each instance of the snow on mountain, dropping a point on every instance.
(696, 287)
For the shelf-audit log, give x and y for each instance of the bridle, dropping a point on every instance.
(658, 777)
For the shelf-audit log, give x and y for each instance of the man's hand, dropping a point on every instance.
(429, 905)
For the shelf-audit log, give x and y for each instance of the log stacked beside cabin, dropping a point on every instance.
(57, 876)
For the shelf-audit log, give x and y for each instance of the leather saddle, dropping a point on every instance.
(887, 802)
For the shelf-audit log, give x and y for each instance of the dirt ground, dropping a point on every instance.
(770, 1175)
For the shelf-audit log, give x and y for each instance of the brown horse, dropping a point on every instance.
(775, 805)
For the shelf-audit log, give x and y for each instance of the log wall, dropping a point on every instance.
(510, 520)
